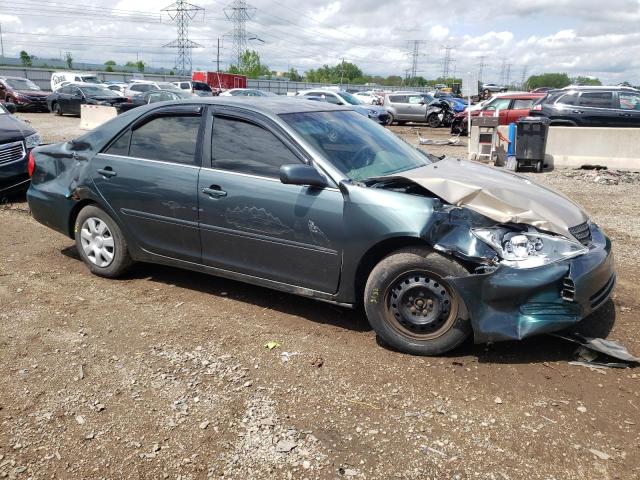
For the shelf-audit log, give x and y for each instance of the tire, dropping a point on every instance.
(100, 243)
(433, 121)
(406, 306)
(390, 120)
(55, 108)
(539, 166)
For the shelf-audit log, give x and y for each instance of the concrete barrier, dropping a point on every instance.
(92, 116)
(573, 147)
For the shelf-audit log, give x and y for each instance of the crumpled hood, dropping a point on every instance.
(499, 195)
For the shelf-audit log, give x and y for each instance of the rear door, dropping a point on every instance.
(149, 178)
(253, 224)
(628, 104)
(76, 99)
(401, 105)
(596, 109)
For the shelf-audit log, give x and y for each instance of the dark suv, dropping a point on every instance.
(25, 94)
(591, 107)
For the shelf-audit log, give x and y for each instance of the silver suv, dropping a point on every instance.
(407, 106)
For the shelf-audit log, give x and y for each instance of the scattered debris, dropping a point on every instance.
(599, 454)
(272, 344)
(317, 362)
(203, 425)
(497, 401)
(284, 446)
(603, 176)
(285, 356)
(80, 419)
(454, 141)
(589, 346)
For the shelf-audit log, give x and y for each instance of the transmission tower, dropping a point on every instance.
(525, 69)
(239, 12)
(507, 75)
(183, 13)
(446, 60)
(481, 64)
(415, 55)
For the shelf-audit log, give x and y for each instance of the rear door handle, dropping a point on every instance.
(107, 172)
(214, 191)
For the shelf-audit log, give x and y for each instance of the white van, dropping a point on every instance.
(59, 79)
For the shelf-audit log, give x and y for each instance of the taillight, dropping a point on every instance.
(31, 164)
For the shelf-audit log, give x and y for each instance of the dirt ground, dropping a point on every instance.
(164, 374)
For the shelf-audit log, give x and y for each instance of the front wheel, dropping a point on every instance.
(55, 108)
(433, 120)
(412, 307)
(100, 243)
(390, 120)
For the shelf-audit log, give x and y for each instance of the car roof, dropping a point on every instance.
(268, 105)
(521, 95)
(599, 87)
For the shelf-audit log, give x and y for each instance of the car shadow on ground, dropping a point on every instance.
(539, 349)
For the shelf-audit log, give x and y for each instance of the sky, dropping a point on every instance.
(580, 37)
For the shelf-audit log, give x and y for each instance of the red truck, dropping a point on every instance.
(220, 81)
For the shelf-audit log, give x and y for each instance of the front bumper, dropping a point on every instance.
(14, 176)
(511, 304)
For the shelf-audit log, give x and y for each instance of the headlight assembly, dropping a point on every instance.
(33, 141)
(528, 249)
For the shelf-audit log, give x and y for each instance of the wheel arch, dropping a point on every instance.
(75, 211)
(375, 254)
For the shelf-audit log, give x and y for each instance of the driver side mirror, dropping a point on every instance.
(298, 174)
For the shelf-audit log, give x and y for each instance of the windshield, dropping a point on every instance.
(98, 92)
(91, 79)
(22, 84)
(356, 146)
(169, 86)
(350, 99)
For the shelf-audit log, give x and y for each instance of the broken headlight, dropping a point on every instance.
(528, 249)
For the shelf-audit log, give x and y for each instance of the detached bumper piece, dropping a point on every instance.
(511, 304)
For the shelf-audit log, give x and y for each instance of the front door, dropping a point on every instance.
(596, 109)
(149, 178)
(253, 224)
(628, 109)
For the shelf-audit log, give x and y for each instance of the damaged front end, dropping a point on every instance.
(537, 264)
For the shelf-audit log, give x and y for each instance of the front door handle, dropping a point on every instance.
(214, 191)
(107, 172)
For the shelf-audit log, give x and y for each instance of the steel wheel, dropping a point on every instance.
(97, 242)
(420, 305)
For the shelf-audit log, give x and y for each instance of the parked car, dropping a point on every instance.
(199, 88)
(69, 98)
(311, 198)
(510, 107)
(489, 89)
(22, 92)
(406, 107)
(591, 107)
(59, 79)
(339, 97)
(118, 87)
(246, 92)
(369, 98)
(153, 96)
(17, 138)
(137, 88)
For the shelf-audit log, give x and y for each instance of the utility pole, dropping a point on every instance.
(1, 41)
(508, 75)
(218, 57)
(183, 13)
(239, 12)
(446, 61)
(481, 64)
(341, 70)
(525, 68)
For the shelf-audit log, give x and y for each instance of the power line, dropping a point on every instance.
(183, 13)
(415, 55)
(523, 80)
(481, 65)
(239, 12)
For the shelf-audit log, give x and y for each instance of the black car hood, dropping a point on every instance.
(12, 129)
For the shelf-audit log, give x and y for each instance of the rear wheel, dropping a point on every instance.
(100, 243)
(412, 307)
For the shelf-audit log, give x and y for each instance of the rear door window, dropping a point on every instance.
(522, 104)
(415, 99)
(596, 99)
(244, 147)
(629, 100)
(569, 99)
(397, 99)
(167, 138)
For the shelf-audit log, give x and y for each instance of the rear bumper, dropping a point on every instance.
(511, 304)
(50, 208)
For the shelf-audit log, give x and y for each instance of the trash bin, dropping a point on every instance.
(531, 142)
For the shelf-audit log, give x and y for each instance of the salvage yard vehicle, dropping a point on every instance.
(313, 199)
(246, 92)
(17, 138)
(60, 79)
(199, 88)
(22, 92)
(509, 107)
(337, 97)
(406, 107)
(153, 96)
(590, 107)
(69, 98)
